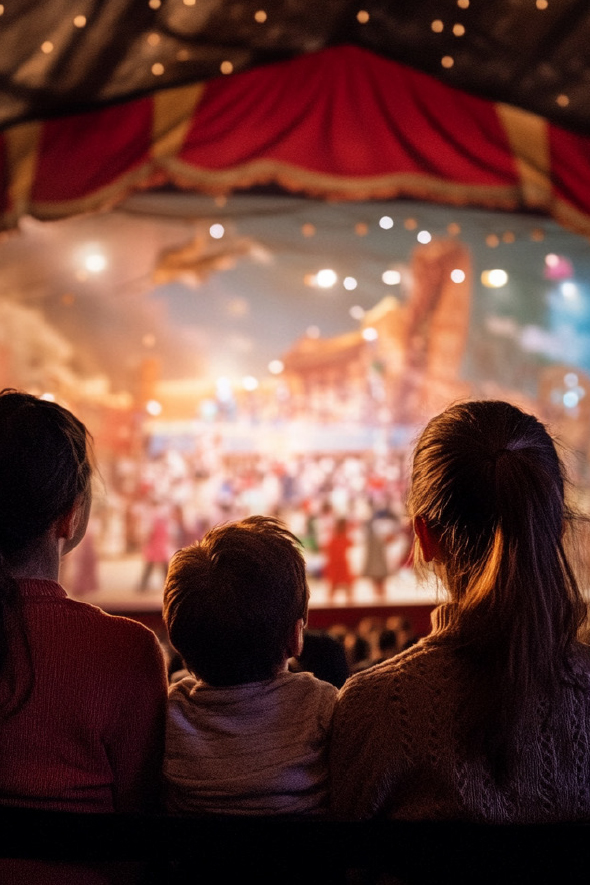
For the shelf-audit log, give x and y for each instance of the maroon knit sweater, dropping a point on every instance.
(90, 737)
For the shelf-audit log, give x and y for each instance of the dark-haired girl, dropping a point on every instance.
(488, 718)
(82, 693)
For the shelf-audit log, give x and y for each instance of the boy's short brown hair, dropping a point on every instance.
(232, 600)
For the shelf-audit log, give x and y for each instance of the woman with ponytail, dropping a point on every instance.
(82, 693)
(487, 718)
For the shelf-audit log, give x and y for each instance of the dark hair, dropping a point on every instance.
(489, 484)
(44, 468)
(232, 600)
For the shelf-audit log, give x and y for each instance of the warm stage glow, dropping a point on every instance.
(494, 279)
(326, 278)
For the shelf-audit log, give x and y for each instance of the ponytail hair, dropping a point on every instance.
(44, 469)
(489, 484)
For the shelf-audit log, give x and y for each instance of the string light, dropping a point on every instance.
(562, 101)
(453, 229)
(541, 4)
(463, 4)
(386, 222)
(458, 30)
(447, 61)
(424, 237)
(47, 47)
(361, 229)
(494, 279)
(391, 277)
(326, 278)
(217, 231)
(410, 224)
(80, 21)
(153, 39)
(155, 4)
(458, 275)
(349, 283)
(437, 26)
(492, 241)
(260, 16)
(362, 16)
(226, 67)
(308, 230)
(157, 69)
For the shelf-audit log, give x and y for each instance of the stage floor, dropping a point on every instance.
(119, 579)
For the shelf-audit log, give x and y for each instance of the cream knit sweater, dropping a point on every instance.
(395, 753)
(258, 748)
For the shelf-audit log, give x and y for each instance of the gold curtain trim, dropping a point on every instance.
(142, 178)
(528, 136)
(333, 187)
(22, 144)
(173, 117)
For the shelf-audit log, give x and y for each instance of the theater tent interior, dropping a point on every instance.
(137, 126)
(177, 177)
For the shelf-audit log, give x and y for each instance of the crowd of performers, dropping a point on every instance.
(348, 511)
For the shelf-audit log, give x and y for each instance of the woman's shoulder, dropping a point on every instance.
(422, 661)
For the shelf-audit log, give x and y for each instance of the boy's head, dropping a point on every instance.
(235, 602)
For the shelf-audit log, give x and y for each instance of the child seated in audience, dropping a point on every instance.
(244, 734)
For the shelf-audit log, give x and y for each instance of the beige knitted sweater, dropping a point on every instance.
(395, 753)
(258, 748)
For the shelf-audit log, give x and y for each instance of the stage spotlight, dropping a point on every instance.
(95, 262)
(326, 278)
(494, 279)
(153, 408)
(249, 382)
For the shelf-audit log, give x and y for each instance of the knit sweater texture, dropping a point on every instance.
(257, 748)
(396, 748)
(90, 736)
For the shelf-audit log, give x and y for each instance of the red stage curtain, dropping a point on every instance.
(339, 124)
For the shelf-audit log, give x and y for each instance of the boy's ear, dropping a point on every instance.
(428, 540)
(296, 641)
